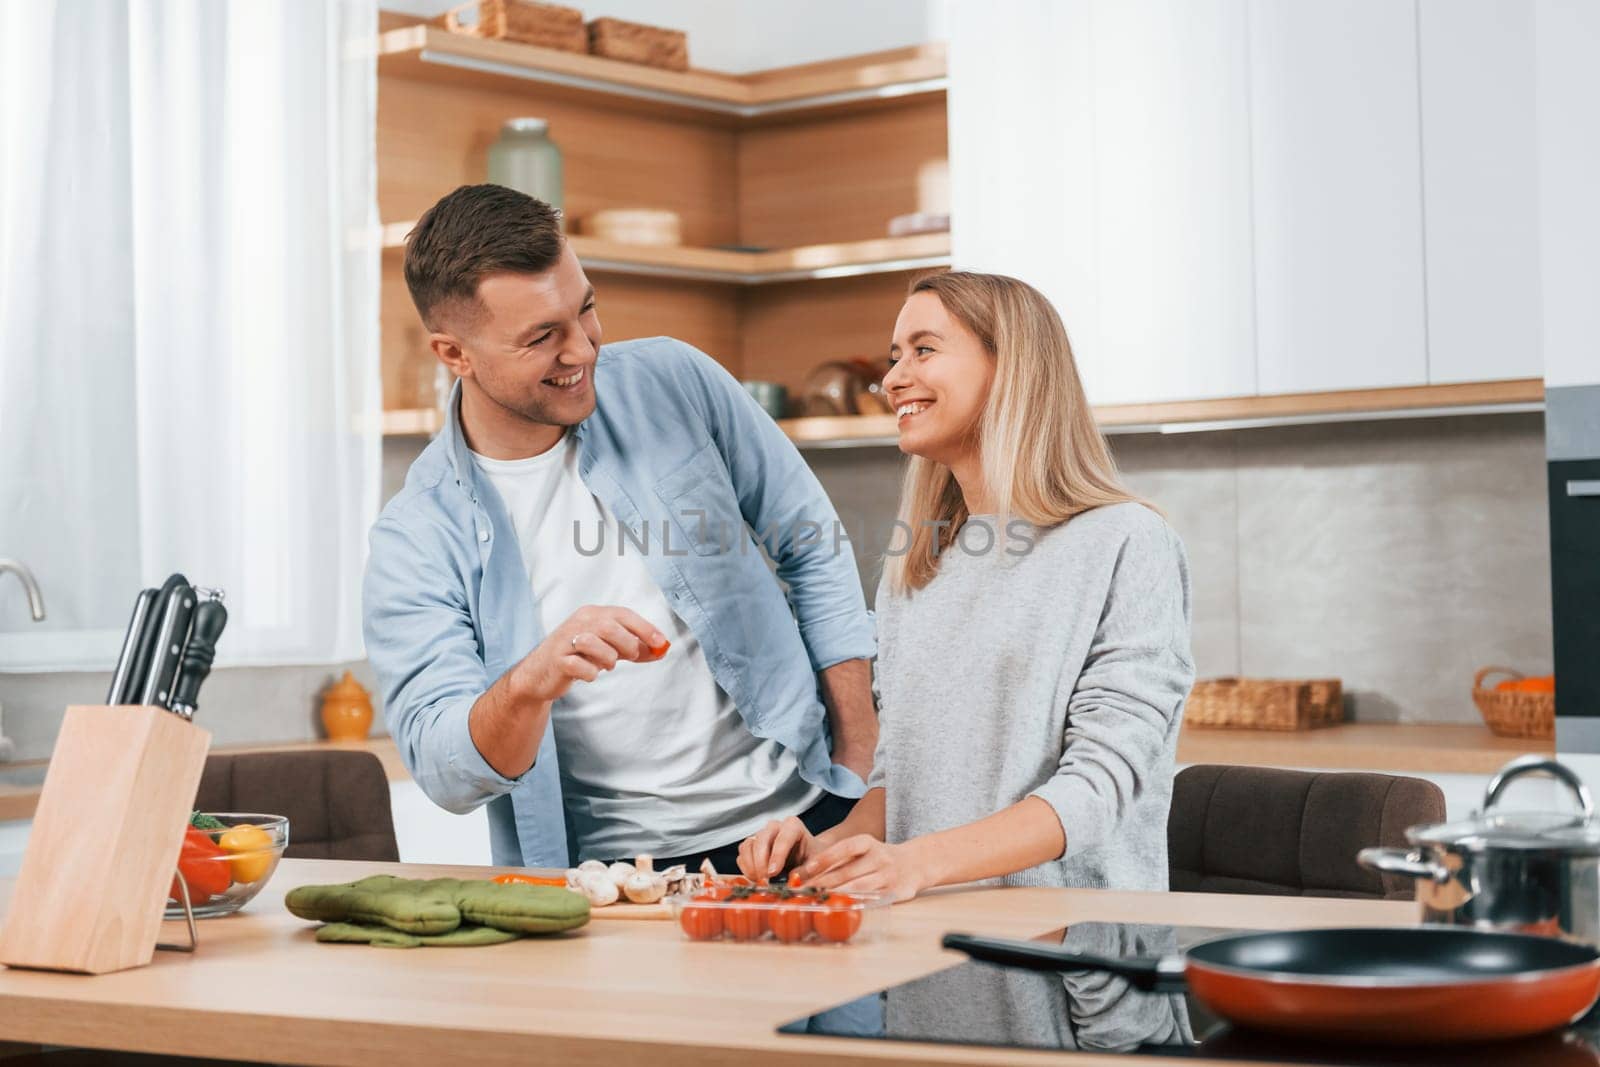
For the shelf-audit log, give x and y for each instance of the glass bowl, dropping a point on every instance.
(225, 868)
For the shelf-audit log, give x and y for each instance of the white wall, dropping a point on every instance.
(742, 35)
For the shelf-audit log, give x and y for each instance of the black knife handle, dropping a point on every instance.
(171, 638)
(144, 656)
(209, 619)
(143, 607)
(1148, 975)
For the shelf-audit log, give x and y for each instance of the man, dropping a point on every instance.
(567, 614)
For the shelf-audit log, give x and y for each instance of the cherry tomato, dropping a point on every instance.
(746, 920)
(790, 923)
(794, 879)
(701, 924)
(840, 921)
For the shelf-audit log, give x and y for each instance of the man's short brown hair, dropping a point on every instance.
(476, 231)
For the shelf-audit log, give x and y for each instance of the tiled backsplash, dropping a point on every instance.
(1397, 555)
(240, 705)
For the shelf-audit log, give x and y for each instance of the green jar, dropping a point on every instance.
(525, 159)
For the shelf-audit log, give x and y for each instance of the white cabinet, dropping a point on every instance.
(1231, 197)
(1338, 195)
(1567, 35)
(1171, 170)
(1480, 182)
(1106, 161)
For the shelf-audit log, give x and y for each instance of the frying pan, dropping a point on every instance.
(1405, 985)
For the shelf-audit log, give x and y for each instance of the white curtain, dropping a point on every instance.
(189, 307)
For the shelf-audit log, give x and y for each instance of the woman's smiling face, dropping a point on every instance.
(938, 381)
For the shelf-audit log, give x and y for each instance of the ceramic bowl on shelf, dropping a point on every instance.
(224, 867)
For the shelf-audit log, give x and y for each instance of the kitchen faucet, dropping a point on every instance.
(35, 600)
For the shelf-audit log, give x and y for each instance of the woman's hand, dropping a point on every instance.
(764, 854)
(863, 863)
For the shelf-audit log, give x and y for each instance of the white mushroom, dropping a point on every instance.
(644, 885)
(620, 873)
(591, 865)
(598, 887)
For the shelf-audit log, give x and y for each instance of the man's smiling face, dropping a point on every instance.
(531, 341)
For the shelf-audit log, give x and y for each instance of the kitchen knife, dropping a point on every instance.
(176, 614)
(209, 619)
(143, 606)
(139, 667)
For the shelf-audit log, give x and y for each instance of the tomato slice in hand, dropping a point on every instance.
(840, 921)
(655, 652)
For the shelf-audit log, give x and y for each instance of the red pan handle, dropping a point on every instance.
(1147, 974)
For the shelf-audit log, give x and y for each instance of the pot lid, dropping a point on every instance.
(1559, 831)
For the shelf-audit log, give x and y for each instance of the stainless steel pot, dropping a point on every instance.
(1528, 872)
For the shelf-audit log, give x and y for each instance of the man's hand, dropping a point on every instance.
(593, 639)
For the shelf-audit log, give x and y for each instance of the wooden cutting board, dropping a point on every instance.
(626, 910)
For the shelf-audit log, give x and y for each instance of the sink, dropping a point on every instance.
(26, 777)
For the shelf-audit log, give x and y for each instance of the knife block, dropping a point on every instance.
(105, 840)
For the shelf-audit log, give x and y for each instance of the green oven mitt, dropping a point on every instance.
(437, 906)
(384, 937)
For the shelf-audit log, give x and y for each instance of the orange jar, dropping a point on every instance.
(346, 710)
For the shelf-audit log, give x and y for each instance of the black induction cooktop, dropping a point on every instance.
(979, 1004)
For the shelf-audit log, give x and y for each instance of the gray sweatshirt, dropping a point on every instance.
(1059, 673)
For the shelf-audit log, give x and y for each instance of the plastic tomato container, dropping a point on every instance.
(795, 917)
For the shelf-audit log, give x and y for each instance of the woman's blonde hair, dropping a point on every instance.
(1043, 456)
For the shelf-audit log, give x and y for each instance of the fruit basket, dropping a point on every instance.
(780, 914)
(1517, 706)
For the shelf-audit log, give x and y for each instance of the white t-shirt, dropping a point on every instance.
(654, 756)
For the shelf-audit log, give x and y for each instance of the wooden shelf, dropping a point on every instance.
(412, 422)
(429, 53)
(1420, 748)
(840, 431)
(882, 256)
(1466, 398)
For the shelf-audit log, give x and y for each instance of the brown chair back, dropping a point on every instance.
(1295, 833)
(337, 803)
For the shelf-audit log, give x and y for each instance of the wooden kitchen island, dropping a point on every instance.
(616, 992)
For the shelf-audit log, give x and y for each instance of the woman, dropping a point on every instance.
(1033, 635)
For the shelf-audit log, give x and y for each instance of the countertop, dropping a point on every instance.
(617, 992)
(1402, 747)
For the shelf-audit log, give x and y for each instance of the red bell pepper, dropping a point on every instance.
(204, 866)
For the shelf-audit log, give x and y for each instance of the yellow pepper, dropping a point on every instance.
(255, 844)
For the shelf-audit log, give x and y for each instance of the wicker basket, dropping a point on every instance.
(634, 42)
(523, 21)
(1265, 703)
(1512, 714)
